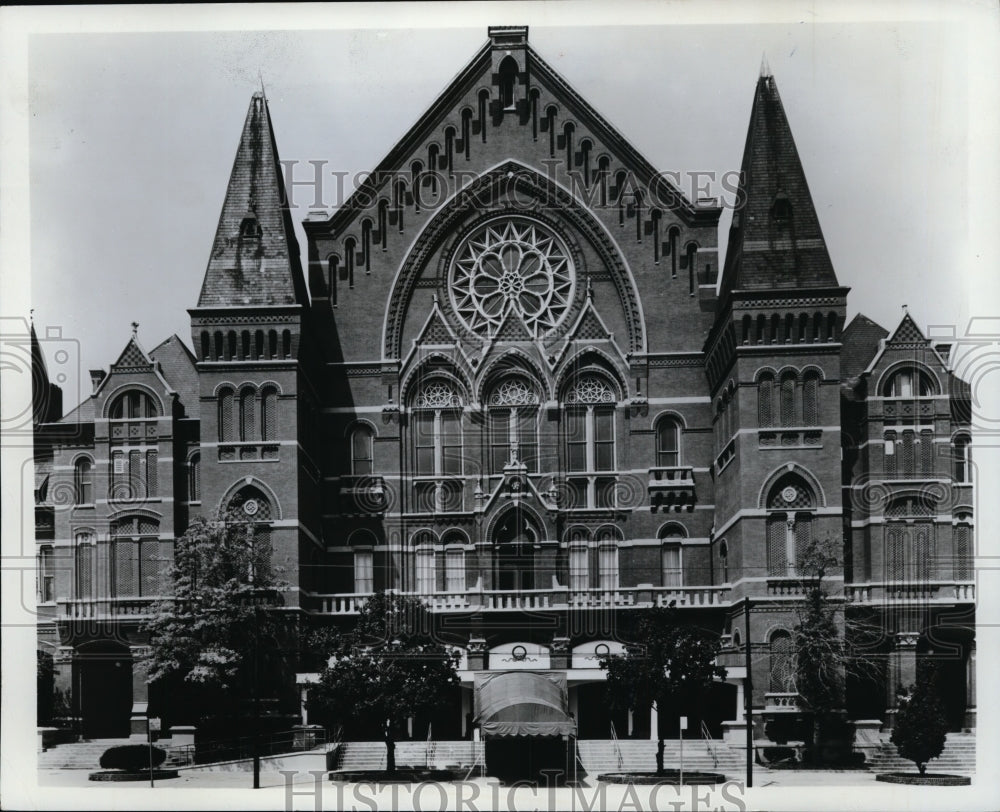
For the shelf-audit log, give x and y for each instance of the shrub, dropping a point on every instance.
(132, 758)
(921, 726)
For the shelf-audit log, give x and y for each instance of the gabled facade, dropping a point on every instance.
(508, 379)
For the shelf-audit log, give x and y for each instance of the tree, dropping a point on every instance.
(824, 657)
(921, 725)
(670, 664)
(217, 637)
(388, 668)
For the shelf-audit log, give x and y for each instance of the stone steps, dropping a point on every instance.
(959, 756)
(83, 755)
(372, 755)
(601, 756)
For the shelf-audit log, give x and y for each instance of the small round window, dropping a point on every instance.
(519, 653)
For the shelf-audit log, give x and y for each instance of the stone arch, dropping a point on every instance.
(512, 361)
(450, 370)
(531, 184)
(791, 468)
(122, 389)
(251, 481)
(591, 359)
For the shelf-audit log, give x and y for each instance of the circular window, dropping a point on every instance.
(514, 266)
(602, 650)
(519, 653)
(789, 494)
(250, 507)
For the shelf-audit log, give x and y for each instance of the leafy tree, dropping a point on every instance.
(389, 667)
(921, 725)
(825, 657)
(671, 663)
(217, 638)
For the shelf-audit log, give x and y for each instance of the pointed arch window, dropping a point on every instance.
(133, 405)
(508, 81)
(590, 425)
(810, 399)
(789, 524)
(437, 430)
(268, 413)
(362, 456)
(782, 669)
(513, 423)
(765, 400)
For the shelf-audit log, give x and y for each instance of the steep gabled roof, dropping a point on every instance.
(255, 257)
(178, 367)
(859, 344)
(775, 240)
(907, 332)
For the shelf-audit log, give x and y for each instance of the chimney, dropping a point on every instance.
(96, 376)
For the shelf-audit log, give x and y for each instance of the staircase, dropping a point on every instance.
(83, 755)
(639, 755)
(372, 755)
(959, 756)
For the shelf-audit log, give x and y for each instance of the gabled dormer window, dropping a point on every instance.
(250, 228)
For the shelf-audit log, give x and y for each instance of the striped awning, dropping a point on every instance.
(522, 703)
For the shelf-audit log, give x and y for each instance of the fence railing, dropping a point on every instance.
(243, 747)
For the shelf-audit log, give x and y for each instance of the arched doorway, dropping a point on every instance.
(514, 540)
(102, 676)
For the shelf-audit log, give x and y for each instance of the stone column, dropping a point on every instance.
(140, 694)
(902, 670)
(970, 689)
(477, 654)
(559, 656)
(654, 723)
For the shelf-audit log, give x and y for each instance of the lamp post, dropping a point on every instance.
(748, 690)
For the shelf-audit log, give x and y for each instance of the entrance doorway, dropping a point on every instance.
(103, 681)
(514, 541)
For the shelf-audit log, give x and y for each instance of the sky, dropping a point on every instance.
(132, 137)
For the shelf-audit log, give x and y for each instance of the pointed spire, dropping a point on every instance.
(255, 257)
(765, 69)
(775, 240)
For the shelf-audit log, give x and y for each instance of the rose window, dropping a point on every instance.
(514, 266)
(513, 392)
(438, 395)
(590, 389)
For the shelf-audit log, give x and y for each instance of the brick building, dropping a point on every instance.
(510, 376)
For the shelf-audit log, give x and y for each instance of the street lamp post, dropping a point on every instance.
(748, 690)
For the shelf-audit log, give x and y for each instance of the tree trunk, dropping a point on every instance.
(659, 756)
(390, 748)
(921, 767)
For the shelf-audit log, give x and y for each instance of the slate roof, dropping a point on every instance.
(255, 257)
(775, 241)
(859, 341)
(177, 365)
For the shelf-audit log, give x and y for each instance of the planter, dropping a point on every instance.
(668, 777)
(123, 775)
(927, 779)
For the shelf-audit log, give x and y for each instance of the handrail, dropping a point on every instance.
(617, 746)
(707, 736)
(428, 747)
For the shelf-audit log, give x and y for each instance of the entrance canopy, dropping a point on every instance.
(522, 703)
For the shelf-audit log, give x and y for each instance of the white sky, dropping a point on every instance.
(132, 137)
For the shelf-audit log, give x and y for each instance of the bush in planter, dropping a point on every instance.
(921, 726)
(132, 758)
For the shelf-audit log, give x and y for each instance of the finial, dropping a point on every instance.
(135, 329)
(765, 69)
(31, 315)
(260, 76)
(905, 309)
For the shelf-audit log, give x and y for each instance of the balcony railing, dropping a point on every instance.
(91, 608)
(672, 486)
(915, 591)
(542, 599)
(781, 702)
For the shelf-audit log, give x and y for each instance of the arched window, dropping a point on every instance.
(83, 481)
(454, 561)
(787, 399)
(782, 665)
(909, 383)
(46, 574)
(437, 429)
(692, 262)
(765, 400)
(962, 471)
(423, 543)
(910, 540)
(135, 557)
(361, 450)
(247, 398)
(668, 446)
(579, 571)
(226, 433)
(790, 507)
(206, 346)
(590, 425)
(963, 553)
(810, 399)
(723, 562)
(513, 423)
(508, 81)
(607, 558)
(268, 413)
(84, 564)
(133, 405)
(194, 478)
(671, 565)
(250, 504)
(363, 543)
